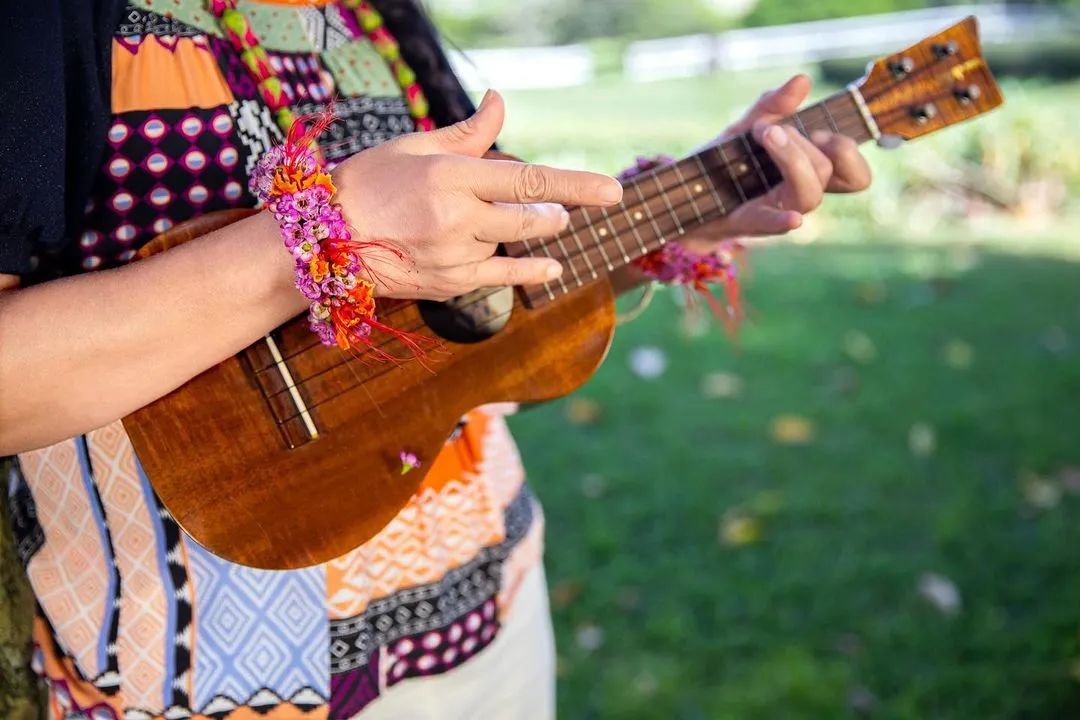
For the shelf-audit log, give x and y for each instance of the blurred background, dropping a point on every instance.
(868, 505)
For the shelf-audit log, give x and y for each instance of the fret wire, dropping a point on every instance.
(734, 180)
(799, 123)
(667, 201)
(693, 200)
(599, 242)
(588, 262)
(630, 223)
(649, 214)
(712, 187)
(567, 256)
(828, 114)
(551, 295)
(753, 158)
(614, 234)
(528, 249)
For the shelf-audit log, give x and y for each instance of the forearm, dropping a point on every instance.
(81, 352)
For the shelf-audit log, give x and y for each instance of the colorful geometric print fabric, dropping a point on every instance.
(136, 620)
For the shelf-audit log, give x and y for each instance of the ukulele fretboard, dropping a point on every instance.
(663, 204)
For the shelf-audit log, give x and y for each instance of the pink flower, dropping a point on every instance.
(409, 462)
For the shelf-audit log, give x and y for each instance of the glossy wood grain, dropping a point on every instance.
(215, 455)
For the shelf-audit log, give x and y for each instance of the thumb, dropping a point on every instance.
(774, 104)
(473, 136)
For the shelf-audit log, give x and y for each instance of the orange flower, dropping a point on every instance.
(319, 269)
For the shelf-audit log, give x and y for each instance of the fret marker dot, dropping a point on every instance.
(603, 232)
(741, 168)
(698, 188)
(638, 216)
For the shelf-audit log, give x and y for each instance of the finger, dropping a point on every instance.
(801, 189)
(473, 136)
(514, 182)
(507, 272)
(500, 222)
(758, 219)
(851, 172)
(822, 164)
(775, 104)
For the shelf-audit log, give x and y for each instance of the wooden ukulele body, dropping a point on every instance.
(217, 457)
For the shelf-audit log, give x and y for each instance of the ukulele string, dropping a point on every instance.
(550, 243)
(414, 328)
(840, 120)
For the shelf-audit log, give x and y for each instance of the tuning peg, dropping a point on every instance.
(901, 68)
(967, 94)
(942, 50)
(924, 113)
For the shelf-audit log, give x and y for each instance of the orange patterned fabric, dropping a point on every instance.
(162, 73)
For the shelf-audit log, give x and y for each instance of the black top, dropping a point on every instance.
(55, 82)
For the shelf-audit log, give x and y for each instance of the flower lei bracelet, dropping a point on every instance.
(675, 265)
(295, 187)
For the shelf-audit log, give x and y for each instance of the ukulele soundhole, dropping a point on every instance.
(470, 318)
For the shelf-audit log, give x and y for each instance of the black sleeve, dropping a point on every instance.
(54, 113)
(422, 50)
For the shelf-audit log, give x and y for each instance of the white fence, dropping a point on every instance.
(801, 43)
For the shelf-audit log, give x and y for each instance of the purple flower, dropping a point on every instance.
(409, 461)
(325, 332)
(306, 285)
(292, 234)
(305, 251)
(319, 230)
(334, 287)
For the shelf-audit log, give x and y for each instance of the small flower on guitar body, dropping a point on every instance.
(409, 462)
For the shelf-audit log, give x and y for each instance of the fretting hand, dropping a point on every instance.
(433, 196)
(811, 167)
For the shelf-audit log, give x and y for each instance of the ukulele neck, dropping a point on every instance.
(663, 204)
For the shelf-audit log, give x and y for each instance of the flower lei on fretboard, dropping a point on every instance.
(699, 272)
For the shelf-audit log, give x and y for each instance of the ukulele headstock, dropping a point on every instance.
(940, 81)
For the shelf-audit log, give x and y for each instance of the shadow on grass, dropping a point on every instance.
(932, 382)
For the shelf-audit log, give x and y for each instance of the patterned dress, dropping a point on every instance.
(135, 619)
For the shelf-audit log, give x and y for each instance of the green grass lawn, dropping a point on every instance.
(933, 363)
(826, 603)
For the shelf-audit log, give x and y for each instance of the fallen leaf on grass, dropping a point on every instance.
(721, 386)
(958, 354)
(792, 430)
(941, 593)
(862, 702)
(859, 347)
(593, 486)
(922, 440)
(1069, 477)
(871, 293)
(1040, 493)
(739, 528)
(589, 637)
(767, 503)
(645, 684)
(648, 362)
(564, 592)
(583, 411)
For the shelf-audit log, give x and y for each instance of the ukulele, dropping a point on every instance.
(289, 454)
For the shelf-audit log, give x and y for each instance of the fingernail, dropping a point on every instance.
(820, 137)
(485, 100)
(553, 271)
(611, 192)
(776, 136)
(564, 219)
